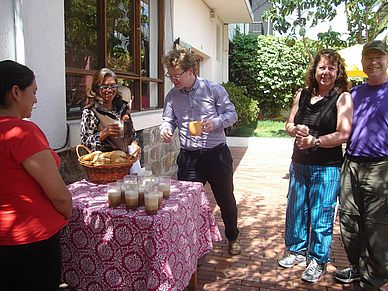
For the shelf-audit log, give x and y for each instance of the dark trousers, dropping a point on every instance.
(364, 219)
(31, 267)
(216, 167)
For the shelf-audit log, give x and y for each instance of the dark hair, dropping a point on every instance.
(341, 82)
(11, 74)
(98, 79)
(180, 58)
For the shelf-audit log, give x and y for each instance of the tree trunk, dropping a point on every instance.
(303, 36)
(366, 23)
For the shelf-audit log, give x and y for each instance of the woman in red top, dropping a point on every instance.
(34, 201)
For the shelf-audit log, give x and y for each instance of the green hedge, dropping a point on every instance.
(270, 68)
(247, 109)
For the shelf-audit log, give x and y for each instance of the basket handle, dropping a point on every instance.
(81, 146)
(136, 153)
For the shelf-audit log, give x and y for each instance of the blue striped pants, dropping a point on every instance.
(312, 197)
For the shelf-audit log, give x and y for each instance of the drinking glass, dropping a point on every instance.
(132, 195)
(120, 123)
(165, 181)
(151, 200)
(114, 194)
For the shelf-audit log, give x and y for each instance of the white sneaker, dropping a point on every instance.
(314, 271)
(292, 259)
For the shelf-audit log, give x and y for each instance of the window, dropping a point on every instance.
(125, 36)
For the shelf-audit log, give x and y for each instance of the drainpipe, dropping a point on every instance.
(19, 33)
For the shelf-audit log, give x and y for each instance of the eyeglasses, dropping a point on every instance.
(112, 87)
(176, 77)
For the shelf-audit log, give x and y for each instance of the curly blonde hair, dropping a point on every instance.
(180, 58)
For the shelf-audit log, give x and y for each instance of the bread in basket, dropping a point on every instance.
(105, 167)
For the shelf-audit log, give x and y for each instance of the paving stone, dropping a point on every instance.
(261, 183)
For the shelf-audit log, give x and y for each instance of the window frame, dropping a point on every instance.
(135, 76)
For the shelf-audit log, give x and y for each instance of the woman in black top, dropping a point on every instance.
(320, 120)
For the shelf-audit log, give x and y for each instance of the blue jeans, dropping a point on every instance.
(312, 197)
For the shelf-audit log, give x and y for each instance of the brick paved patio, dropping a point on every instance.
(261, 183)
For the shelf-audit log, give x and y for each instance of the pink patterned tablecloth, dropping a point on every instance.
(119, 249)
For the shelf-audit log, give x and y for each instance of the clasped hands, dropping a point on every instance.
(304, 140)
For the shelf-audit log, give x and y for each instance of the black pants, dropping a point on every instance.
(216, 167)
(364, 218)
(31, 267)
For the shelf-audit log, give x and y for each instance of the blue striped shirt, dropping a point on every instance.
(206, 100)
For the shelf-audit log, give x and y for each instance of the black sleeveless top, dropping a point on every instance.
(321, 118)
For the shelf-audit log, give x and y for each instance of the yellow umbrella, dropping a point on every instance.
(352, 56)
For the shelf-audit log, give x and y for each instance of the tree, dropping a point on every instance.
(305, 10)
(271, 68)
(330, 39)
(366, 19)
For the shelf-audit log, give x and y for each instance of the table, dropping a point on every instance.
(119, 249)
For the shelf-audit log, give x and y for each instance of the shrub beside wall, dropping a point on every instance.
(271, 68)
(247, 109)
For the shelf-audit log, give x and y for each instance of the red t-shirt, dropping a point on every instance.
(26, 214)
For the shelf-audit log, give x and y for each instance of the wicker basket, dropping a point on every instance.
(104, 174)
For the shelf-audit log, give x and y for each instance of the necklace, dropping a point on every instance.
(315, 99)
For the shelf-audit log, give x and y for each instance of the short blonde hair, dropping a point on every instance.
(180, 58)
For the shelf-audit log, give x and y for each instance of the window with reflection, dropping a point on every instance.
(81, 34)
(122, 35)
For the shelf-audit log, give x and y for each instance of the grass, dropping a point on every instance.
(262, 128)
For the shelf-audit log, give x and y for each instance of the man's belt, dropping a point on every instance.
(366, 159)
(205, 151)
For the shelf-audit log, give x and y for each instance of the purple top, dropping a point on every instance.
(206, 100)
(369, 136)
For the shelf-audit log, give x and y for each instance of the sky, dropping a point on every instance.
(338, 24)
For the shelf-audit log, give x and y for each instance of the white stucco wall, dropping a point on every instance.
(7, 32)
(192, 23)
(41, 32)
(45, 54)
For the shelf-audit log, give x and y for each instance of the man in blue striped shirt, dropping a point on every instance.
(206, 157)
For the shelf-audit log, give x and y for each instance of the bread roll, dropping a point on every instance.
(118, 160)
(90, 156)
(119, 153)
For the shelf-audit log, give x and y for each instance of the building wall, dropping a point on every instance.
(45, 53)
(33, 34)
(34, 37)
(194, 25)
(7, 33)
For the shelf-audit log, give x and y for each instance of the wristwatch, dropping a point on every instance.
(317, 142)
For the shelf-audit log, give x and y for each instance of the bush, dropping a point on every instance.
(271, 68)
(247, 109)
